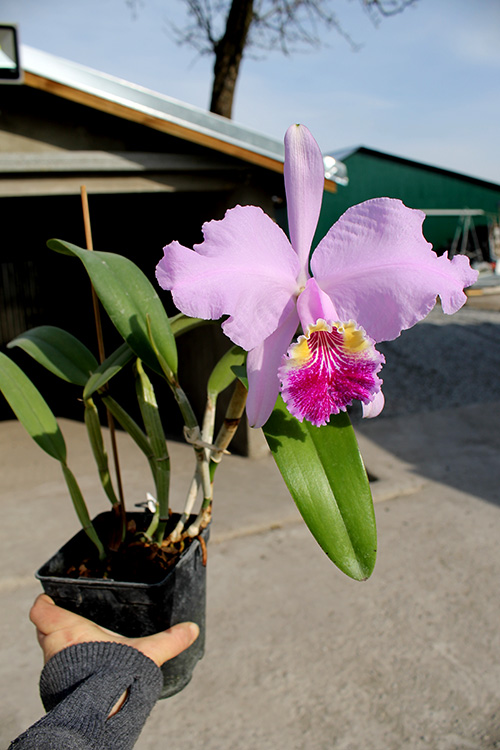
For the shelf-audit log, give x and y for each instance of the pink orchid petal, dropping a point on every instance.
(245, 268)
(379, 270)
(304, 184)
(375, 406)
(314, 304)
(262, 371)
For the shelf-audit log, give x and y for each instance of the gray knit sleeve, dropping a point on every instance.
(80, 685)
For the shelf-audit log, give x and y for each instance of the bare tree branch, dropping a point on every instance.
(376, 9)
(228, 29)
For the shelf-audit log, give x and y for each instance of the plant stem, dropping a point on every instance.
(176, 534)
(232, 419)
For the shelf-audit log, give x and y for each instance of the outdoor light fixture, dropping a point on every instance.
(335, 170)
(10, 70)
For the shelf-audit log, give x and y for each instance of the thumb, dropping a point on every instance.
(163, 646)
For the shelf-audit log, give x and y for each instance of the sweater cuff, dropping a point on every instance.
(72, 666)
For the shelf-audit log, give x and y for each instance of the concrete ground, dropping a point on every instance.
(299, 657)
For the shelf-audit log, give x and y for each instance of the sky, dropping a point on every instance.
(424, 84)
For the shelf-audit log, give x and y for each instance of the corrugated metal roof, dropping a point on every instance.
(148, 102)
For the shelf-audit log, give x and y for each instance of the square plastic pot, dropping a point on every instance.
(135, 609)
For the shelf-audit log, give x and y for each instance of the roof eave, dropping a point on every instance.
(137, 104)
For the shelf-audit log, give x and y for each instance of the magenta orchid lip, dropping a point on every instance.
(329, 367)
(373, 267)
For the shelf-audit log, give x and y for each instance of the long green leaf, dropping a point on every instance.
(58, 351)
(129, 425)
(31, 409)
(180, 396)
(108, 369)
(81, 510)
(181, 323)
(154, 429)
(223, 373)
(161, 478)
(94, 431)
(324, 471)
(127, 295)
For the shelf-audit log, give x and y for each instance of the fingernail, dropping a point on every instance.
(194, 630)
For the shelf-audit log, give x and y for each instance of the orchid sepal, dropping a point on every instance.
(304, 174)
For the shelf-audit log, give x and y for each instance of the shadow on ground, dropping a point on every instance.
(445, 374)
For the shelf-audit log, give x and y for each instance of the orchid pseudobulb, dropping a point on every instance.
(372, 276)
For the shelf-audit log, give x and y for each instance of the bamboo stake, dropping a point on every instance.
(100, 346)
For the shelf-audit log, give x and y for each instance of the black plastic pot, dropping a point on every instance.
(136, 609)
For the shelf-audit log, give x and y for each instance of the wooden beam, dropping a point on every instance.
(46, 162)
(21, 187)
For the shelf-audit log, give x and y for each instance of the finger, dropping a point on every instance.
(38, 611)
(41, 601)
(48, 617)
(163, 646)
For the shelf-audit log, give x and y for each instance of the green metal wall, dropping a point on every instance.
(374, 176)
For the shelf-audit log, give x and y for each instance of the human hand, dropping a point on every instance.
(57, 628)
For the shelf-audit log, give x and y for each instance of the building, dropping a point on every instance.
(458, 207)
(155, 169)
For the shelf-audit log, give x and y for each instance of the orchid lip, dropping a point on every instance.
(330, 366)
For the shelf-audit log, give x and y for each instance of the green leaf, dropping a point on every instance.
(241, 373)
(161, 460)
(31, 409)
(164, 365)
(110, 367)
(94, 431)
(127, 295)
(129, 425)
(81, 510)
(150, 414)
(224, 372)
(58, 351)
(181, 323)
(185, 407)
(324, 471)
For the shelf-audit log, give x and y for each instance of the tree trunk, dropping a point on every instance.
(228, 54)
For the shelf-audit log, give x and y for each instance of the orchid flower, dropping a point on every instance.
(372, 276)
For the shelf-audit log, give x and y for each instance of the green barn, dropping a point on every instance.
(461, 210)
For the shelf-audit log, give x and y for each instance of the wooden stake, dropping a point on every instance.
(100, 346)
